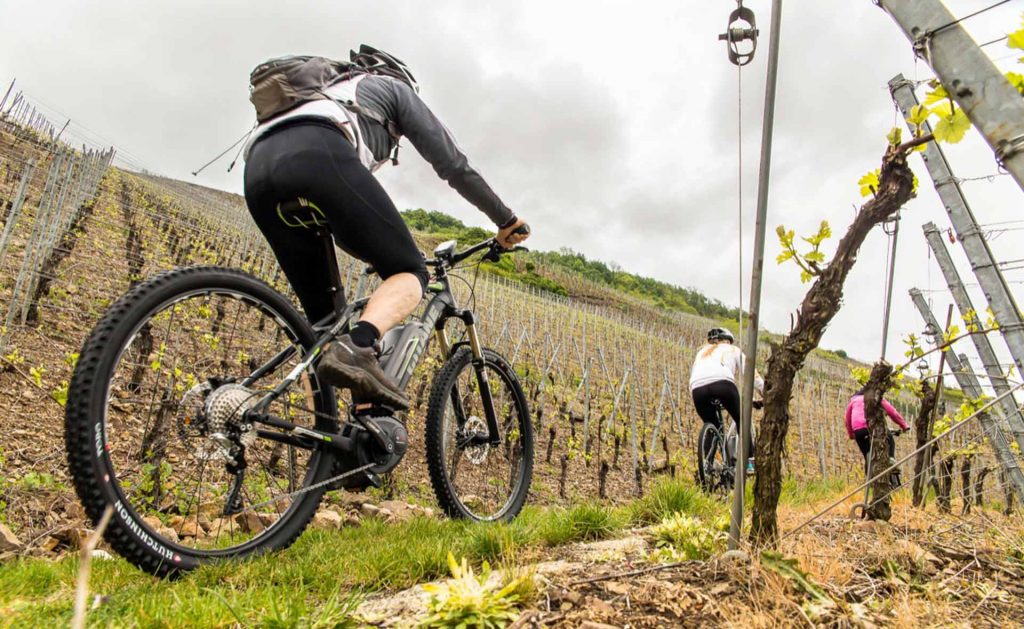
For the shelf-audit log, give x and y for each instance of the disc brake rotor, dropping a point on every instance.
(476, 454)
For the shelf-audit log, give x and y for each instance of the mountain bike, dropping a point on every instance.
(859, 510)
(895, 479)
(716, 455)
(196, 413)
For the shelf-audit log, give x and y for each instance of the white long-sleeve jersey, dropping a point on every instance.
(719, 361)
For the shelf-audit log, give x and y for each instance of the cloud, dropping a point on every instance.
(610, 125)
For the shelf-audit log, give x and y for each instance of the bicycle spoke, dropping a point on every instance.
(161, 432)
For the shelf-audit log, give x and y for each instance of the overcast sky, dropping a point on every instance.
(610, 126)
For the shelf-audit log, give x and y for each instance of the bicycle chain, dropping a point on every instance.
(323, 483)
(299, 492)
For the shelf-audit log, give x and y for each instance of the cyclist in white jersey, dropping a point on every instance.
(713, 377)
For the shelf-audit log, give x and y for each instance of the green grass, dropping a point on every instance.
(584, 522)
(320, 572)
(667, 497)
(325, 573)
(801, 493)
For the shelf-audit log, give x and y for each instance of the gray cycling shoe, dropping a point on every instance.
(345, 365)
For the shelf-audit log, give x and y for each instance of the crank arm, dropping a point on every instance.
(475, 439)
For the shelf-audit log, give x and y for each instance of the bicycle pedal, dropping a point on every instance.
(375, 479)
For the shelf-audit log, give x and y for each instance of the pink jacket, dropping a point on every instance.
(855, 419)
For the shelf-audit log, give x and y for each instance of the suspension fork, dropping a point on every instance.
(481, 377)
(446, 349)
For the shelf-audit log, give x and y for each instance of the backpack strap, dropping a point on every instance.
(388, 125)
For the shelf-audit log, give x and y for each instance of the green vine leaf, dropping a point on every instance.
(1016, 80)
(918, 115)
(817, 257)
(1016, 39)
(937, 95)
(952, 127)
(824, 231)
(895, 136)
(869, 183)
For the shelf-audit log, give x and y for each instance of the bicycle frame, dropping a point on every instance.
(723, 443)
(400, 362)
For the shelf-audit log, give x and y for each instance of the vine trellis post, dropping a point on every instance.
(969, 384)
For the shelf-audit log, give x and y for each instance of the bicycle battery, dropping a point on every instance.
(401, 348)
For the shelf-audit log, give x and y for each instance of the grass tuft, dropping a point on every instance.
(585, 522)
(668, 497)
(683, 537)
(795, 493)
(470, 600)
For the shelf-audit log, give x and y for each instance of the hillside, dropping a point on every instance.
(605, 364)
(615, 530)
(568, 273)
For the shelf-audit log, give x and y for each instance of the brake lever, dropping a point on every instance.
(493, 253)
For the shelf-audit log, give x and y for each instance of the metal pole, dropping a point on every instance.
(6, 95)
(754, 318)
(935, 413)
(969, 384)
(978, 87)
(981, 342)
(888, 293)
(984, 264)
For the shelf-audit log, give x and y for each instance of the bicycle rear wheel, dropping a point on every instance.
(154, 424)
(713, 470)
(478, 481)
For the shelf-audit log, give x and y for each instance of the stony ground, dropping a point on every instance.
(926, 570)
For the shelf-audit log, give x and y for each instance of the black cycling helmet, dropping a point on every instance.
(720, 334)
(383, 63)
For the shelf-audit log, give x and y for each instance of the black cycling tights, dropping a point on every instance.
(314, 160)
(729, 396)
(863, 437)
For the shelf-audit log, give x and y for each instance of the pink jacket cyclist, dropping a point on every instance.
(856, 421)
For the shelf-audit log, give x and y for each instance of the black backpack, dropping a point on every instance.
(284, 83)
(278, 85)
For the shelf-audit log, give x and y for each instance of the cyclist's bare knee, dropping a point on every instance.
(393, 301)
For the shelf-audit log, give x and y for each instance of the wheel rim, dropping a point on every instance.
(713, 465)
(169, 459)
(484, 478)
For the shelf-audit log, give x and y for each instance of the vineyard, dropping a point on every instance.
(605, 365)
(606, 374)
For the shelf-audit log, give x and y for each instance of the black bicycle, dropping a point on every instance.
(716, 453)
(195, 411)
(895, 479)
(859, 510)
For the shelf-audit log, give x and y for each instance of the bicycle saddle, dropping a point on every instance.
(301, 212)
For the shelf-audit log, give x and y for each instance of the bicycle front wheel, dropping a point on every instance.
(155, 427)
(472, 478)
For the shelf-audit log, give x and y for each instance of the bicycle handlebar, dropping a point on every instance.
(495, 251)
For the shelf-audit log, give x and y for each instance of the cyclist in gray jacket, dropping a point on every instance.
(323, 153)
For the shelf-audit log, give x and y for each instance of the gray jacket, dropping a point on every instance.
(397, 103)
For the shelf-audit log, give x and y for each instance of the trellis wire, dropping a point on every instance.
(945, 435)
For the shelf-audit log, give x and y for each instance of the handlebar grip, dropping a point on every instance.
(522, 230)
